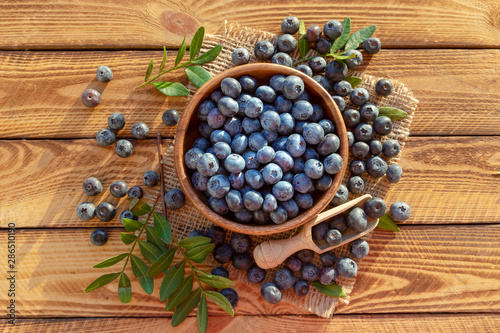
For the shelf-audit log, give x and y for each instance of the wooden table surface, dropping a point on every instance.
(441, 273)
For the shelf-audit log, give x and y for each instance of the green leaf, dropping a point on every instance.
(140, 270)
(208, 56)
(196, 43)
(359, 37)
(111, 261)
(218, 282)
(127, 238)
(101, 281)
(387, 223)
(131, 225)
(343, 56)
(353, 80)
(180, 294)
(149, 251)
(171, 88)
(149, 70)
(192, 242)
(124, 289)
(303, 47)
(162, 227)
(302, 29)
(182, 311)
(162, 65)
(198, 254)
(198, 75)
(153, 238)
(172, 280)
(202, 315)
(393, 113)
(182, 51)
(162, 263)
(332, 290)
(342, 39)
(137, 206)
(221, 301)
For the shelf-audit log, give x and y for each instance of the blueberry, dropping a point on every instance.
(248, 83)
(309, 272)
(359, 96)
(254, 179)
(270, 120)
(223, 253)
(135, 192)
(302, 97)
(290, 25)
(127, 214)
(116, 121)
(313, 33)
(220, 271)
(342, 88)
(382, 125)
(317, 64)
(376, 166)
(266, 94)
(92, 186)
(324, 183)
(353, 63)
(323, 81)
(368, 112)
(234, 163)
(170, 117)
(333, 163)
(239, 143)
(105, 211)
(264, 50)
(256, 274)
(251, 161)
(356, 185)
(293, 264)
(293, 87)
(241, 243)
(314, 169)
(253, 108)
(319, 231)
(118, 189)
(269, 107)
(205, 130)
(218, 186)
(99, 237)
(279, 215)
(261, 217)
(266, 154)
(341, 196)
(85, 211)
(216, 95)
(140, 131)
(237, 180)
(215, 118)
(304, 69)
(328, 145)
(216, 234)
(230, 87)
(150, 178)
(302, 183)
(347, 268)
(228, 106)
(253, 200)
(333, 29)
(207, 165)
(336, 71)
(104, 74)
(269, 135)
(282, 58)
(175, 199)
(91, 98)
(400, 211)
(360, 150)
(302, 110)
(283, 191)
(318, 114)
(271, 174)
(328, 275)
(296, 145)
(333, 237)
(328, 258)
(340, 102)
(305, 256)
(304, 200)
(280, 144)
(363, 132)
(204, 108)
(244, 216)
(270, 203)
(394, 173)
(357, 167)
(284, 278)
(356, 219)
(313, 133)
(372, 45)
(323, 46)
(391, 148)
(222, 150)
(270, 293)
(199, 181)
(242, 261)
(240, 56)
(301, 288)
(105, 137)
(359, 249)
(284, 160)
(375, 147)
(351, 117)
(298, 166)
(383, 87)
(291, 207)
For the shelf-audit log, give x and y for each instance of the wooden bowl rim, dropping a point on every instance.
(185, 181)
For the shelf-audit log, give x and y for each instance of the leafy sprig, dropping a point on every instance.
(196, 74)
(387, 223)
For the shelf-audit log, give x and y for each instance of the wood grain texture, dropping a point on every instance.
(145, 24)
(40, 181)
(421, 269)
(455, 97)
(424, 323)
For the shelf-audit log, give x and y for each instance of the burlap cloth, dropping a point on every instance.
(185, 220)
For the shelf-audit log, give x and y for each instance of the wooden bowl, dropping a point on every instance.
(187, 133)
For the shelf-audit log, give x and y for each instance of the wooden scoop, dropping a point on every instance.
(271, 253)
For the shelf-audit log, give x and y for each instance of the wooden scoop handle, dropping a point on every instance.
(270, 254)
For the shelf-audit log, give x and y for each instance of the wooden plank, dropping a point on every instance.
(421, 269)
(40, 181)
(425, 323)
(48, 86)
(144, 24)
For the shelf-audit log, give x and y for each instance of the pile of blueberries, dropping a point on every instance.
(264, 151)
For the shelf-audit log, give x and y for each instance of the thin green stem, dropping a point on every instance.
(193, 269)
(187, 63)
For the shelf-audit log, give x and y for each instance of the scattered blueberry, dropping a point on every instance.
(328, 258)
(356, 219)
(92, 186)
(305, 256)
(359, 96)
(309, 272)
(353, 63)
(356, 185)
(242, 261)
(140, 130)
(264, 50)
(135, 192)
(150, 178)
(391, 148)
(382, 125)
(333, 29)
(116, 121)
(105, 137)
(394, 173)
(347, 268)
(313, 33)
(256, 274)
(85, 211)
(372, 45)
(290, 25)
(127, 214)
(175, 199)
(105, 211)
(328, 275)
(118, 189)
(301, 288)
(339, 223)
(270, 293)
(376, 166)
(240, 56)
(241, 243)
(359, 249)
(99, 237)
(223, 253)
(91, 98)
(104, 74)
(284, 278)
(400, 211)
(341, 196)
(220, 271)
(383, 87)
(231, 295)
